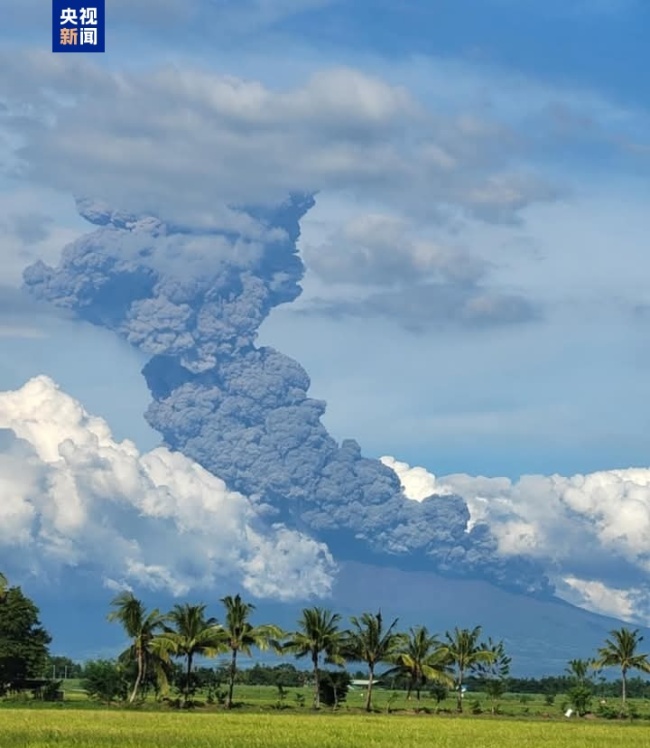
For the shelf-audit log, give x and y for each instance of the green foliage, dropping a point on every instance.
(148, 650)
(621, 651)
(217, 695)
(465, 653)
(608, 711)
(333, 687)
(318, 634)
(58, 666)
(51, 691)
(370, 642)
(580, 697)
(191, 635)
(420, 659)
(495, 671)
(269, 675)
(438, 691)
(105, 680)
(579, 670)
(241, 636)
(23, 640)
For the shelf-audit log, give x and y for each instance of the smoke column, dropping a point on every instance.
(194, 302)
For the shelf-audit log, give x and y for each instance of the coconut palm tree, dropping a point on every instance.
(463, 652)
(142, 628)
(370, 642)
(318, 634)
(192, 635)
(242, 636)
(420, 658)
(621, 651)
(579, 670)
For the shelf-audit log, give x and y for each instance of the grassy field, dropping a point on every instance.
(51, 728)
(263, 718)
(266, 698)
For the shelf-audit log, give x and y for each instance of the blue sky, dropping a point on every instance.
(565, 82)
(475, 298)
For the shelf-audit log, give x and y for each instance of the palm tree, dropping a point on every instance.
(463, 651)
(579, 670)
(420, 658)
(370, 642)
(241, 636)
(620, 651)
(142, 628)
(193, 635)
(318, 633)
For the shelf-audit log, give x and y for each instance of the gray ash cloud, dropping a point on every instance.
(194, 303)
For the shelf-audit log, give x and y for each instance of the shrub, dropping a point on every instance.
(334, 686)
(580, 699)
(439, 692)
(105, 680)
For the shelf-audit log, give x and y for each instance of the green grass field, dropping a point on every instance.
(50, 728)
(263, 719)
(267, 698)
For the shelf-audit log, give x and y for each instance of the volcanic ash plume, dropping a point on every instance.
(194, 302)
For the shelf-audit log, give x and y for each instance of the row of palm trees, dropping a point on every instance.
(186, 633)
(621, 651)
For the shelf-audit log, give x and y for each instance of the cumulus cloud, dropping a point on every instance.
(381, 249)
(73, 496)
(194, 301)
(132, 138)
(417, 483)
(591, 532)
(389, 269)
(599, 598)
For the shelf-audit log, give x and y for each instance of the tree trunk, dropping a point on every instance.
(231, 678)
(188, 675)
(314, 660)
(410, 688)
(459, 696)
(138, 678)
(624, 690)
(371, 673)
(417, 691)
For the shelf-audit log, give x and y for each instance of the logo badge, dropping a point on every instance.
(78, 25)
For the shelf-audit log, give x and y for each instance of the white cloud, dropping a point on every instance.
(73, 496)
(132, 138)
(417, 482)
(591, 531)
(599, 598)
(382, 249)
